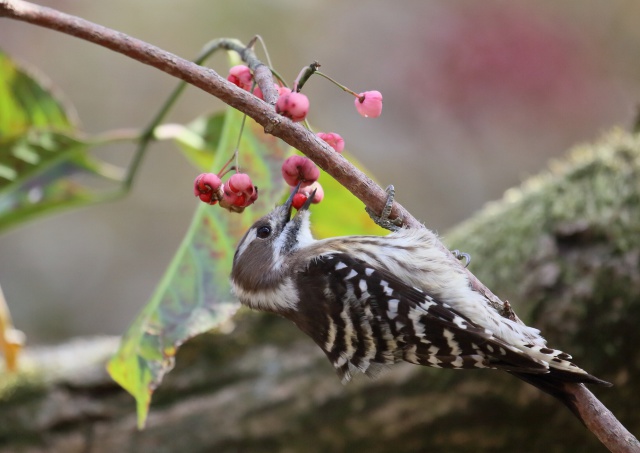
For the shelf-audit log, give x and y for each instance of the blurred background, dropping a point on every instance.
(477, 96)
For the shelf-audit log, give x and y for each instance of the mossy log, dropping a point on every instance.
(563, 249)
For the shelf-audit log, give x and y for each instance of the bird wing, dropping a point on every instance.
(363, 317)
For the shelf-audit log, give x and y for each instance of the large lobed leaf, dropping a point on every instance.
(40, 158)
(194, 294)
(27, 102)
(41, 154)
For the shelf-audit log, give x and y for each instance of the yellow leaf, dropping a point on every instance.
(11, 340)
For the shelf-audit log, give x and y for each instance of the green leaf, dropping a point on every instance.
(197, 140)
(34, 179)
(44, 166)
(194, 294)
(26, 102)
(341, 213)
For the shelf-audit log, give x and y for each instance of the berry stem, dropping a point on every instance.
(264, 48)
(344, 88)
(147, 134)
(304, 75)
(279, 77)
(236, 152)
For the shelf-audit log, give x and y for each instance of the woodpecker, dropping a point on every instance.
(370, 301)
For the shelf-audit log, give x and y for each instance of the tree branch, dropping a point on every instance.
(598, 419)
(211, 82)
(601, 422)
(354, 180)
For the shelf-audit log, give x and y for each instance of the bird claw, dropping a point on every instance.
(460, 255)
(383, 219)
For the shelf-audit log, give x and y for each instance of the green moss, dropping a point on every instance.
(594, 191)
(20, 386)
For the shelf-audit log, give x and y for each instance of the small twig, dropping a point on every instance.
(261, 72)
(595, 415)
(304, 75)
(601, 422)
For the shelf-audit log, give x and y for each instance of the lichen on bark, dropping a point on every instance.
(564, 250)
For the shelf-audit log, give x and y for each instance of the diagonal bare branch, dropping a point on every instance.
(596, 416)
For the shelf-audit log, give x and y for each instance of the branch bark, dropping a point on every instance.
(605, 425)
(596, 416)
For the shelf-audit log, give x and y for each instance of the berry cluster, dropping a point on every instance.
(239, 192)
(291, 104)
(241, 75)
(299, 169)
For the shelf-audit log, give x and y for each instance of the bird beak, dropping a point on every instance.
(289, 203)
(307, 203)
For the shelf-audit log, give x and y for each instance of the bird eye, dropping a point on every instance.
(263, 232)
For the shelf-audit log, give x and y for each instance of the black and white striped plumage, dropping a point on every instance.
(372, 301)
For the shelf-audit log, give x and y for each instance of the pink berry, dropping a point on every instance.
(299, 168)
(307, 188)
(369, 104)
(241, 75)
(257, 92)
(231, 202)
(294, 106)
(334, 140)
(208, 188)
(239, 192)
(283, 90)
(241, 182)
(298, 200)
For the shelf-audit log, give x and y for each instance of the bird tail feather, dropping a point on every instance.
(554, 383)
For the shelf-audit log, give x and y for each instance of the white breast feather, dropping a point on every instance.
(281, 297)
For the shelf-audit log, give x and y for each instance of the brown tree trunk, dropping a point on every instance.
(564, 250)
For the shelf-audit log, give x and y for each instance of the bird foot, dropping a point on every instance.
(383, 219)
(460, 255)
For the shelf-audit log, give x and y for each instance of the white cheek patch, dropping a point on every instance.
(305, 237)
(248, 239)
(278, 246)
